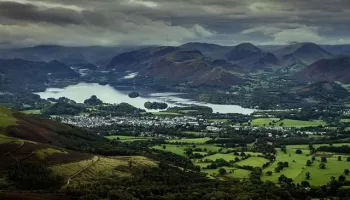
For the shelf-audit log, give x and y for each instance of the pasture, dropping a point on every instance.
(288, 123)
(123, 138)
(190, 140)
(297, 168)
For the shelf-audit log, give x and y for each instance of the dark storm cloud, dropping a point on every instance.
(33, 13)
(112, 22)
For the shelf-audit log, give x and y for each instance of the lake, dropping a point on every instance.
(108, 94)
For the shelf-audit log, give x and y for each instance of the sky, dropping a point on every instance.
(173, 22)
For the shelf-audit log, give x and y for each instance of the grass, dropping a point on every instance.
(345, 120)
(6, 118)
(262, 121)
(288, 123)
(123, 138)
(180, 149)
(32, 112)
(227, 157)
(43, 153)
(190, 140)
(4, 139)
(69, 169)
(253, 161)
(231, 172)
(298, 168)
(300, 124)
(322, 176)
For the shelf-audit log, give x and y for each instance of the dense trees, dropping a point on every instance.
(93, 101)
(34, 176)
(155, 105)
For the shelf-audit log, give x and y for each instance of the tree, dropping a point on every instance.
(346, 171)
(286, 164)
(348, 159)
(323, 159)
(322, 166)
(222, 171)
(339, 158)
(307, 175)
(164, 147)
(313, 158)
(308, 163)
(298, 151)
(277, 169)
(342, 178)
(269, 173)
(305, 184)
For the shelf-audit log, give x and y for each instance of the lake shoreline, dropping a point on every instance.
(115, 95)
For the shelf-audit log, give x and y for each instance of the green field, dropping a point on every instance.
(297, 166)
(345, 120)
(43, 153)
(262, 121)
(4, 139)
(300, 124)
(6, 118)
(231, 172)
(123, 138)
(180, 149)
(253, 161)
(288, 123)
(32, 112)
(190, 140)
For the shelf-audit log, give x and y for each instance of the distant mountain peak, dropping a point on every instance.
(247, 47)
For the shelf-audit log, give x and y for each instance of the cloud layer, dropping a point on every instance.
(165, 22)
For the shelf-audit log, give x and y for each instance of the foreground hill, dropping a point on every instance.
(336, 69)
(251, 58)
(302, 53)
(176, 65)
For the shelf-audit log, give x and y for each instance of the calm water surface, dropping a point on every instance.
(108, 94)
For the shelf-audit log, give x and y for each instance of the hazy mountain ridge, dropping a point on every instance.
(177, 65)
(69, 55)
(335, 69)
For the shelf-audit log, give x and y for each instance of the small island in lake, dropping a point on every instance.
(155, 105)
(134, 94)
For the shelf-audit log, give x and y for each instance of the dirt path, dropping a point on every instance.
(17, 161)
(19, 147)
(93, 161)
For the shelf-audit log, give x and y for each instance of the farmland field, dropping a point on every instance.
(262, 121)
(127, 138)
(288, 123)
(190, 140)
(180, 149)
(297, 166)
(253, 161)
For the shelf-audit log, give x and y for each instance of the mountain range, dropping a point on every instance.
(191, 63)
(177, 65)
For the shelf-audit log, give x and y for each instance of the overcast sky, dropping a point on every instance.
(173, 22)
